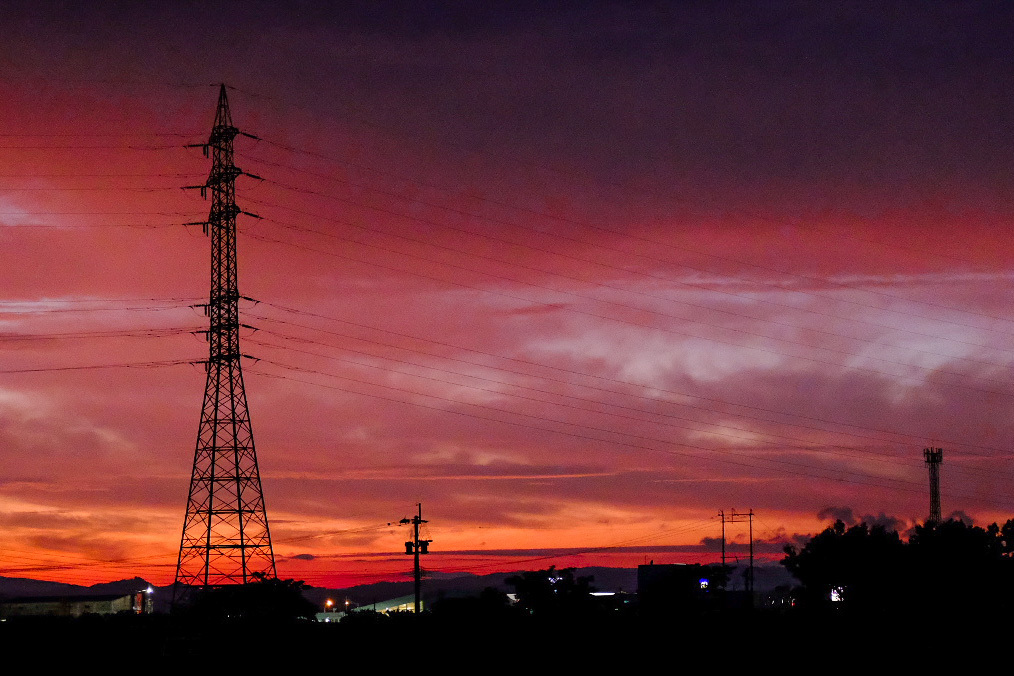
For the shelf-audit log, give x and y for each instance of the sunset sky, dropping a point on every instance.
(575, 276)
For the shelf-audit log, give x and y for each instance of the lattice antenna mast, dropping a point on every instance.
(225, 534)
(934, 456)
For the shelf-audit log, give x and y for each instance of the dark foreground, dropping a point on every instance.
(827, 641)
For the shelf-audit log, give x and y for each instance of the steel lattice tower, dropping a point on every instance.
(934, 456)
(225, 534)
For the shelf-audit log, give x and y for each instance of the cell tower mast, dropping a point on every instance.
(225, 534)
(934, 456)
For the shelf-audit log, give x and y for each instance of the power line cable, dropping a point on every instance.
(672, 331)
(694, 451)
(543, 366)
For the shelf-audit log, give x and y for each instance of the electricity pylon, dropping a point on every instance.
(225, 538)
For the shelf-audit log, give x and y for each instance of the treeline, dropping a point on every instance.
(943, 568)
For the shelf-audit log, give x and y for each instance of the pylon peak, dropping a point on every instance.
(223, 118)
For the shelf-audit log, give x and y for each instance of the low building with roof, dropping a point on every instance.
(138, 603)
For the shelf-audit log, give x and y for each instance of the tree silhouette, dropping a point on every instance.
(858, 568)
(959, 567)
(265, 598)
(552, 592)
(945, 568)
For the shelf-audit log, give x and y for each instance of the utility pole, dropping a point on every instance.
(721, 515)
(416, 546)
(934, 457)
(739, 517)
(225, 538)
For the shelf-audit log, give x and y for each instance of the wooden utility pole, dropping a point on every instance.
(416, 547)
(735, 517)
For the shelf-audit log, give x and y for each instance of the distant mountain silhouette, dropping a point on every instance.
(11, 587)
(441, 586)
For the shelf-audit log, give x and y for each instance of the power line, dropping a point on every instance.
(693, 450)
(667, 299)
(916, 438)
(684, 334)
(151, 332)
(121, 365)
(707, 426)
(687, 198)
(598, 245)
